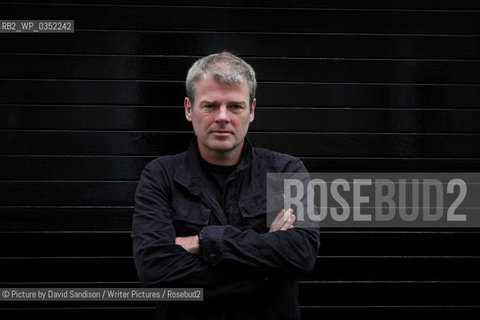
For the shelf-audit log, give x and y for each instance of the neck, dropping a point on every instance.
(221, 158)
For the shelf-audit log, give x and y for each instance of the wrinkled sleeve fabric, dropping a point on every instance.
(159, 261)
(291, 253)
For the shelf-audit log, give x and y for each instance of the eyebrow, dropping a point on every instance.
(214, 101)
(238, 102)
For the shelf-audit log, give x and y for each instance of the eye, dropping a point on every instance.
(236, 107)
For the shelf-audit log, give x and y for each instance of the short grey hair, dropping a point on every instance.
(223, 67)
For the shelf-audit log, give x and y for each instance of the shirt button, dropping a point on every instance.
(212, 258)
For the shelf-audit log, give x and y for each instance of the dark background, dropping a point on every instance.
(374, 86)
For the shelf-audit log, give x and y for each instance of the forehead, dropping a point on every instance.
(208, 88)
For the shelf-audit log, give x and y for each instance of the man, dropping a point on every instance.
(200, 216)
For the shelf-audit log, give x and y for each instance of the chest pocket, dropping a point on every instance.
(256, 211)
(189, 216)
(253, 211)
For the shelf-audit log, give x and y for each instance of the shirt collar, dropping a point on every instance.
(190, 171)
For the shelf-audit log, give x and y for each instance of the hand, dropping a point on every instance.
(189, 243)
(283, 221)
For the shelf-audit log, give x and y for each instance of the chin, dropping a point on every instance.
(222, 146)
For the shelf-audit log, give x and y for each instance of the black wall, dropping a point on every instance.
(373, 85)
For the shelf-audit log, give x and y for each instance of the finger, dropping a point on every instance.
(283, 220)
(279, 221)
(287, 215)
(289, 223)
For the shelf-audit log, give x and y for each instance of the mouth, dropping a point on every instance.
(221, 132)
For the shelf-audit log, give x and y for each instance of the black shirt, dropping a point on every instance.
(217, 178)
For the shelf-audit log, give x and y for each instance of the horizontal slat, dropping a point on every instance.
(252, 19)
(174, 68)
(373, 71)
(389, 312)
(248, 44)
(115, 143)
(308, 313)
(358, 294)
(68, 193)
(75, 305)
(332, 269)
(390, 268)
(65, 244)
(77, 313)
(129, 168)
(73, 284)
(393, 243)
(301, 144)
(345, 4)
(66, 218)
(78, 270)
(269, 94)
(399, 243)
(66, 168)
(266, 119)
(392, 165)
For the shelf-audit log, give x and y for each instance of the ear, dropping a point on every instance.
(188, 109)
(252, 111)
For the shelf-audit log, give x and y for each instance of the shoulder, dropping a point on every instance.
(167, 163)
(276, 161)
(158, 174)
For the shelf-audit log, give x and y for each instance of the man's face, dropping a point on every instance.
(221, 115)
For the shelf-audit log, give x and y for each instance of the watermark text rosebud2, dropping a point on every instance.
(377, 199)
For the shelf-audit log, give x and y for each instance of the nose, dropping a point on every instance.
(222, 114)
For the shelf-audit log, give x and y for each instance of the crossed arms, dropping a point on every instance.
(283, 221)
(231, 260)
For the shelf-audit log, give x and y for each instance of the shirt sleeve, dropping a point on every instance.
(291, 253)
(162, 263)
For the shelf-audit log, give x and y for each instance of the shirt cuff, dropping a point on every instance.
(211, 244)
